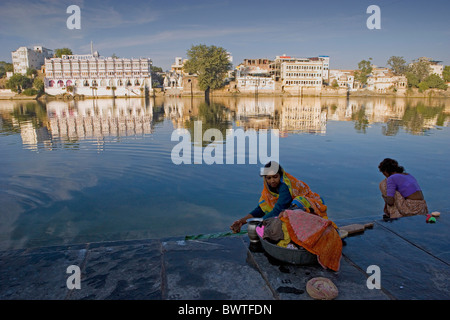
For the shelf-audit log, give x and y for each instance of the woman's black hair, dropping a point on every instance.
(390, 166)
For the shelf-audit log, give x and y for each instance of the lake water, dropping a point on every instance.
(102, 170)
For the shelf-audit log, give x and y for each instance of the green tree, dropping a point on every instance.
(446, 73)
(39, 85)
(18, 82)
(364, 69)
(157, 79)
(423, 86)
(413, 80)
(31, 72)
(335, 84)
(420, 68)
(397, 65)
(210, 63)
(5, 67)
(62, 51)
(434, 81)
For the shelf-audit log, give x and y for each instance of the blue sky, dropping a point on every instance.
(165, 29)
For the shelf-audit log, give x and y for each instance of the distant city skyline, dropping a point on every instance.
(163, 30)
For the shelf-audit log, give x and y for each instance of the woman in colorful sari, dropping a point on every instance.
(401, 192)
(282, 191)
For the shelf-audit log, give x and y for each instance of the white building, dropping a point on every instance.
(24, 58)
(297, 74)
(437, 68)
(326, 67)
(344, 78)
(177, 66)
(382, 79)
(253, 76)
(255, 84)
(92, 75)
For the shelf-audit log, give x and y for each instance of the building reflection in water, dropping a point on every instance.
(99, 118)
(63, 124)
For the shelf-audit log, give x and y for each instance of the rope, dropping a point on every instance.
(214, 235)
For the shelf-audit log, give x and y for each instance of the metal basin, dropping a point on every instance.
(298, 256)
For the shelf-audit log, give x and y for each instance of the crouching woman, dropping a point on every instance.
(401, 192)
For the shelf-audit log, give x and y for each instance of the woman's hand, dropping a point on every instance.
(389, 200)
(236, 226)
(283, 214)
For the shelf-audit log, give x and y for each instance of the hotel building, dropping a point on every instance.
(298, 74)
(92, 75)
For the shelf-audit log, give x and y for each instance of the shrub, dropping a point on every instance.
(30, 92)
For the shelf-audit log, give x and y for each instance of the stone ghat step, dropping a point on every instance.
(412, 258)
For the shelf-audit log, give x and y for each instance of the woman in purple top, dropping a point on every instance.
(400, 191)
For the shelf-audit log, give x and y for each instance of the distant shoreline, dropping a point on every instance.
(433, 93)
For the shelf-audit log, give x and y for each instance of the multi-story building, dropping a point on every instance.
(326, 68)
(92, 75)
(24, 58)
(275, 66)
(382, 79)
(297, 74)
(177, 67)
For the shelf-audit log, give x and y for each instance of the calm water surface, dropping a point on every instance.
(99, 170)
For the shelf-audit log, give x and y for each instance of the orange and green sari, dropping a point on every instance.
(301, 194)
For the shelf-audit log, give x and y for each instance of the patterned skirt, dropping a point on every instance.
(402, 207)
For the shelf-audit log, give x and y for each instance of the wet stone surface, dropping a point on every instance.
(412, 256)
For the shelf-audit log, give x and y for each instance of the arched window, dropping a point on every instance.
(69, 83)
(86, 83)
(51, 83)
(60, 83)
(103, 83)
(136, 83)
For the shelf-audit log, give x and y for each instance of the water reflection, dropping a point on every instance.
(63, 124)
(129, 187)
